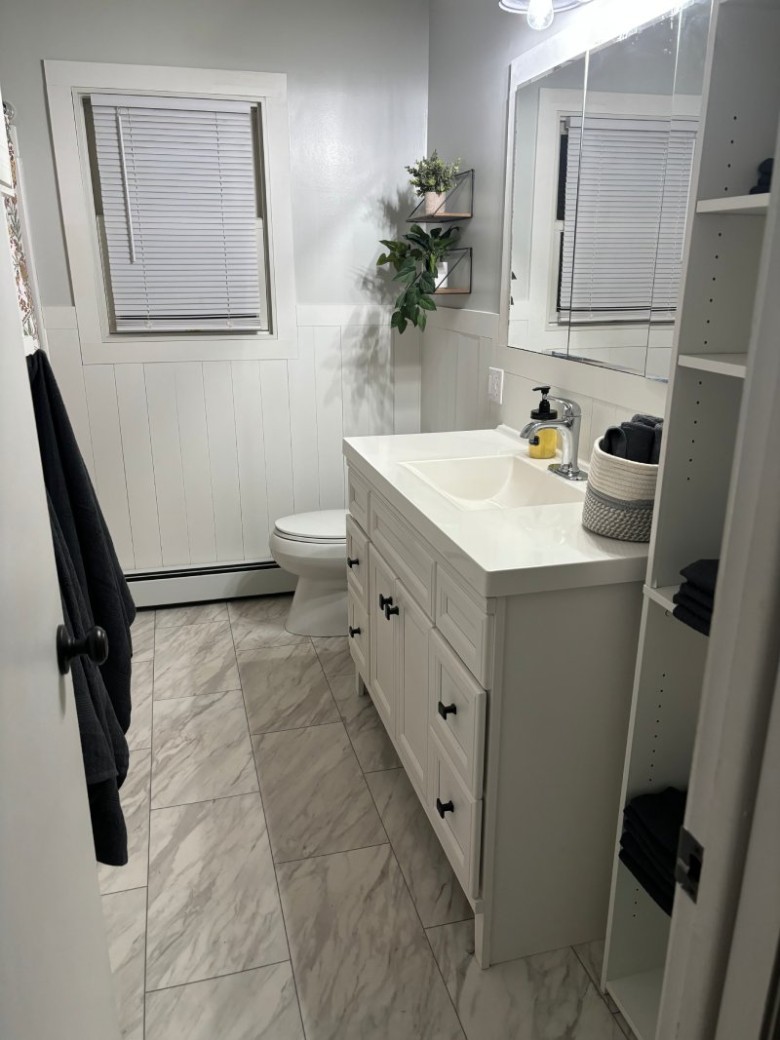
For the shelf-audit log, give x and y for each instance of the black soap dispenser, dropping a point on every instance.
(545, 443)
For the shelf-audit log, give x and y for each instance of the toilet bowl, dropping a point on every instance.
(313, 546)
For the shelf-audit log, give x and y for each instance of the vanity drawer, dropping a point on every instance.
(456, 713)
(456, 818)
(404, 550)
(357, 619)
(357, 562)
(357, 498)
(463, 622)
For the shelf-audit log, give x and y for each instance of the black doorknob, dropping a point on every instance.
(94, 645)
(442, 808)
(389, 610)
(352, 561)
(385, 601)
(353, 632)
(447, 709)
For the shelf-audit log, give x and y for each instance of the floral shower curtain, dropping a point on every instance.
(18, 233)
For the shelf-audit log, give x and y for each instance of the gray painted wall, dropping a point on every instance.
(357, 79)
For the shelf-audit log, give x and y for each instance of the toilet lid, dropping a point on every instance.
(326, 525)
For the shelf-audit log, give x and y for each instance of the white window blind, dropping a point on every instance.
(179, 197)
(626, 198)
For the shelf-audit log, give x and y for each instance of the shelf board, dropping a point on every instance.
(438, 218)
(722, 364)
(663, 595)
(639, 998)
(750, 205)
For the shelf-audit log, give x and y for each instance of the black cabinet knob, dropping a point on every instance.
(353, 632)
(94, 645)
(352, 561)
(385, 601)
(391, 610)
(442, 808)
(447, 709)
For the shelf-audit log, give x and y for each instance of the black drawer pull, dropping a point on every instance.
(444, 807)
(447, 709)
(353, 632)
(385, 601)
(352, 561)
(391, 610)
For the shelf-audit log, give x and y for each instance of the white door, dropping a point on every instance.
(381, 585)
(54, 973)
(412, 689)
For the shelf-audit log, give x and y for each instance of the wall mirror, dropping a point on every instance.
(601, 138)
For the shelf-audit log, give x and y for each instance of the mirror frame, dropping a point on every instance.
(593, 26)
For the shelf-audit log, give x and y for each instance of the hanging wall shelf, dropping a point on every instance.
(455, 279)
(455, 204)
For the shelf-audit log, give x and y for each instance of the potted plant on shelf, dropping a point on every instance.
(416, 259)
(432, 177)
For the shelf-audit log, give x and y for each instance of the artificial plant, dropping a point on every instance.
(415, 258)
(432, 173)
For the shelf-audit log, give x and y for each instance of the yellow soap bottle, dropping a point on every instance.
(545, 443)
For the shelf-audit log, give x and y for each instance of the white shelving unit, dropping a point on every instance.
(755, 205)
(711, 358)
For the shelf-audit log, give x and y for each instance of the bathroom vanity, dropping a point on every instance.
(497, 639)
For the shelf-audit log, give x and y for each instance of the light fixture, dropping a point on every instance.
(540, 13)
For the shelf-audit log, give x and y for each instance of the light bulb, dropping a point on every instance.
(540, 14)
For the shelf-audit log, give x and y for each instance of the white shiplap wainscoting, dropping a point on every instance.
(459, 346)
(194, 461)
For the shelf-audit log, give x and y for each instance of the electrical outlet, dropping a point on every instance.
(496, 385)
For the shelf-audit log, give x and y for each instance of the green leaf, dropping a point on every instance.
(427, 303)
(402, 325)
(422, 321)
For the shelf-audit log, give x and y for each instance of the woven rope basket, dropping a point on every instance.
(619, 498)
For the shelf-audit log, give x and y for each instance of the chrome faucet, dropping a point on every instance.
(568, 426)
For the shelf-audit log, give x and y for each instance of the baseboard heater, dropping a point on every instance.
(202, 584)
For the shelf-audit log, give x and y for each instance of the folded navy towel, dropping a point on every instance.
(692, 620)
(703, 600)
(759, 190)
(645, 844)
(703, 613)
(631, 440)
(661, 814)
(765, 168)
(658, 893)
(703, 574)
(647, 420)
(655, 451)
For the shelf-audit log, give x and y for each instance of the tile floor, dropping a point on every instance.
(284, 882)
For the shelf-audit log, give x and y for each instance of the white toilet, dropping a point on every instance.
(313, 546)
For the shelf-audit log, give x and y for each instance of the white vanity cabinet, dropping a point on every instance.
(508, 712)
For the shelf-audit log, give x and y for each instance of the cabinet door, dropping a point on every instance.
(412, 687)
(382, 653)
(358, 633)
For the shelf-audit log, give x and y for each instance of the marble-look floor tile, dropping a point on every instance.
(591, 957)
(315, 798)
(253, 1005)
(435, 889)
(285, 688)
(194, 660)
(140, 733)
(191, 614)
(142, 636)
(260, 622)
(213, 903)
(373, 747)
(134, 796)
(545, 997)
(201, 749)
(124, 914)
(334, 655)
(360, 958)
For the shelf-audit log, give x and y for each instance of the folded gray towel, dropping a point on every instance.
(647, 420)
(631, 440)
(655, 451)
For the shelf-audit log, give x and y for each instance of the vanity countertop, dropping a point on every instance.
(497, 551)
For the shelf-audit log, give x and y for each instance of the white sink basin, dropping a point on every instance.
(495, 482)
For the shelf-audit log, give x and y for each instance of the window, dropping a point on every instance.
(177, 211)
(625, 202)
(179, 206)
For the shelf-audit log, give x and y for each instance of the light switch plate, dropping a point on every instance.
(496, 385)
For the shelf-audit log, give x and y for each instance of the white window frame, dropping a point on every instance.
(67, 83)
